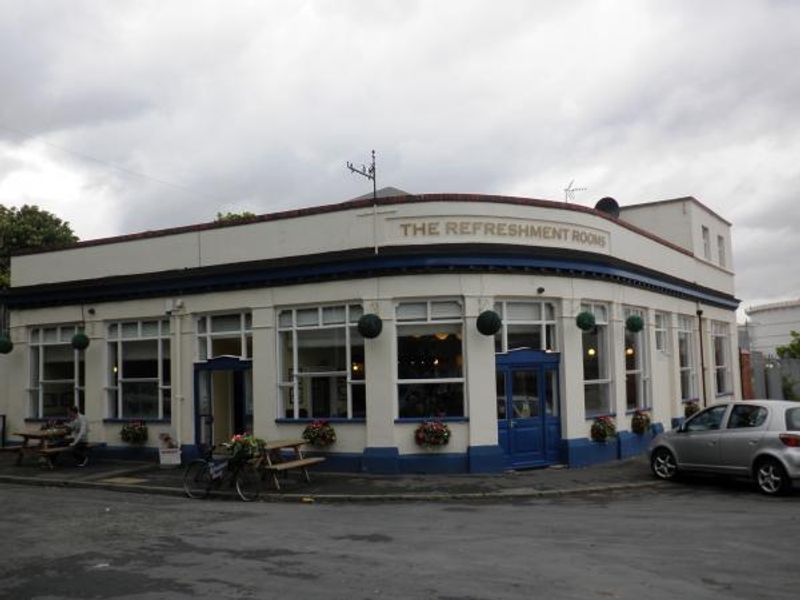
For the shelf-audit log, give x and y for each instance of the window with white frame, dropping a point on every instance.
(661, 331)
(720, 334)
(227, 334)
(706, 242)
(430, 359)
(321, 363)
(57, 372)
(139, 378)
(686, 357)
(721, 250)
(525, 325)
(637, 364)
(596, 369)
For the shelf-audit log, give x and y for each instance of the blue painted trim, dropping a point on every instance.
(632, 444)
(424, 419)
(657, 428)
(433, 463)
(486, 459)
(593, 417)
(380, 460)
(236, 278)
(128, 452)
(224, 363)
(337, 420)
(583, 452)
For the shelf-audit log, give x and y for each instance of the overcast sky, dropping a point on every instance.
(124, 116)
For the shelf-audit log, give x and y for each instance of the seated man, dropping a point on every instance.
(79, 426)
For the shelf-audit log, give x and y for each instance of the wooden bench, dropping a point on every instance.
(51, 452)
(275, 464)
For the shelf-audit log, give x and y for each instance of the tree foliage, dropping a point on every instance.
(29, 227)
(792, 349)
(230, 217)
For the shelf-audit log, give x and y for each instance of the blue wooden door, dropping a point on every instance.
(529, 426)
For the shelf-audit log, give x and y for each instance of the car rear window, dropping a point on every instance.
(793, 419)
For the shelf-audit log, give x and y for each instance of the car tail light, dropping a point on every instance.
(790, 439)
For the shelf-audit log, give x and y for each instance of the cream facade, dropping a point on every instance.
(212, 330)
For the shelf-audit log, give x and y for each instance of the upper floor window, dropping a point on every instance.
(721, 250)
(139, 370)
(57, 372)
(637, 373)
(661, 320)
(526, 325)
(596, 373)
(321, 363)
(225, 335)
(430, 359)
(706, 242)
(720, 334)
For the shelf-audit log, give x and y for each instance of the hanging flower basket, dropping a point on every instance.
(80, 341)
(634, 323)
(640, 422)
(585, 321)
(432, 433)
(319, 433)
(603, 428)
(6, 345)
(690, 408)
(489, 322)
(134, 432)
(370, 326)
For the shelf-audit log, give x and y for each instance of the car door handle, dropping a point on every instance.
(753, 442)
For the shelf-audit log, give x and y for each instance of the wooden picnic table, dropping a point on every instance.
(274, 461)
(51, 442)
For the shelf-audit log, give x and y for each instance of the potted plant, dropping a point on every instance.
(432, 434)
(640, 422)
(319, 433)
(603, 428)
(134, 432)
(690, 408)
(168, 453)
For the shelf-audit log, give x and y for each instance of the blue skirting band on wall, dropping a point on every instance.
(380, 460)
(632, 444)
(486, 459)
(584, 452)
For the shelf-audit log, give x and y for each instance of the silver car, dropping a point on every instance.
(752, 438)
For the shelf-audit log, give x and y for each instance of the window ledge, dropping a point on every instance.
(635, 410)
(337, 420)
(598, 415)
(143, 420)
(423, 419)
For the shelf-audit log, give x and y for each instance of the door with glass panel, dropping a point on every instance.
(223, 400)
(529, 426)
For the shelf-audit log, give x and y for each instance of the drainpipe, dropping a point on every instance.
(177, 384)
(702, 356)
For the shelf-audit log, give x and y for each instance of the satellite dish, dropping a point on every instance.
(609, 206)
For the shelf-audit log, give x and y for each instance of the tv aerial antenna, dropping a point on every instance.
(569, 191)
(368, 172)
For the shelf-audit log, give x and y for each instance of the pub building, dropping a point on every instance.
(515, 322)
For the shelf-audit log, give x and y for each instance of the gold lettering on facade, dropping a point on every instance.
(520, 230)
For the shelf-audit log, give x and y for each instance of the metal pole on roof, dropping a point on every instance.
(369, 173)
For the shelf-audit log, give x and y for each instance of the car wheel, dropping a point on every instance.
(663, 464)
(771, 477)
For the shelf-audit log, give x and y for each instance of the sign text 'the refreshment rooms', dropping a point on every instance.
(520, 230)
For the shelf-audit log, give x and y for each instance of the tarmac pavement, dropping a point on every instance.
(150, 478)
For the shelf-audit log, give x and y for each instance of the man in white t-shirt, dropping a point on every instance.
(79, 428)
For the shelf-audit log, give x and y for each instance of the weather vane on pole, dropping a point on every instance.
(369, 173)
(569, 191)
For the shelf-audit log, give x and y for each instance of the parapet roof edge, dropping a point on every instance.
(356, 204)
(681, 199)
(772, 306)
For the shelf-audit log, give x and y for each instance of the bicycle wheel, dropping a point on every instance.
(248, 482)
(197, 479)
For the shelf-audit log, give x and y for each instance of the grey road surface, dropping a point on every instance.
(682, 541)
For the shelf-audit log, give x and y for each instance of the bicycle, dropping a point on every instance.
(240, 471)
